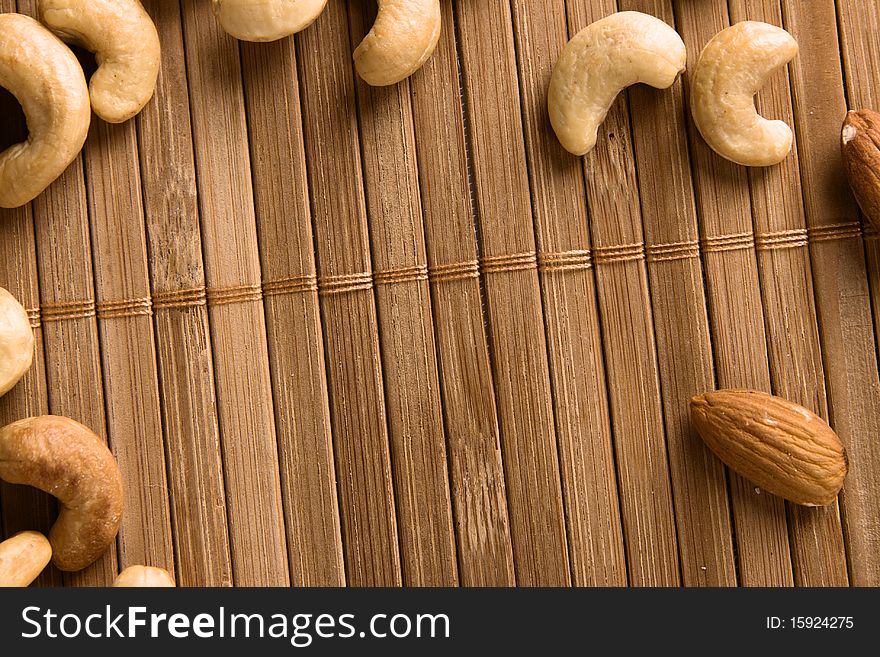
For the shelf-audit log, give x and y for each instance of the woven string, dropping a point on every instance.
(565, 261)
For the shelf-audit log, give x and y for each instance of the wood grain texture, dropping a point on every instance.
(296, 348)
(183, 342)
(351, 340)
(736, 313)
(344, 335)
(485, 552)
(844, 301)
(504, 220)
(595, 533)
(680, 321)
(238, 328)
(630, 344)
(128, 351)
(412, 387)
(790, 314)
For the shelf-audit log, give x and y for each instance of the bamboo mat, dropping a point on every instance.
(343, 335)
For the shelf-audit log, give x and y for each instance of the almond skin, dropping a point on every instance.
(860, 145)
(778, 445)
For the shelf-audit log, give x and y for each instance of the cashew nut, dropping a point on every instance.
(404, 35)
(67, 460)
(16, 342)
(22, 558)
(266, 20)
(599, 62)
(126, 47)
(733, 66)
(47, 80)
(144, 577)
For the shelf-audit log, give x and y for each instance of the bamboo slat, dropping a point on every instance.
(412, 388)
(595, 533)
(348, 303)
(485, 552)
(844, 300)
(507, 239)
(630, 345)
(183, 342)
(296, 349)
(680, 322)
(233, 276)
(789, 310)
(128, 352)
(736, 313)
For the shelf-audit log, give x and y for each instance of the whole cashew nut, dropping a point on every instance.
(733, 66)
(47, 80)
(266, 20)
(404, 35)
(16, 341)
(67, 460)
(126, 47)
(605, 57)
(22, 558)
(144, 577)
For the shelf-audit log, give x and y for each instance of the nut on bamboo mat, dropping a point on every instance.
(337, 334)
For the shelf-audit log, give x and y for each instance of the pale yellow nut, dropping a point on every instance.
(404, 35)
(732, 68)
(47, 80)
(16, 342)
(144, 577)
(126, 47)
(22, 558)
(266, 20)
(65, 459)
(604, 58)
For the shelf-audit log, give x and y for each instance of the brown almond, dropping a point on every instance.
(782, 447)
(860, 144)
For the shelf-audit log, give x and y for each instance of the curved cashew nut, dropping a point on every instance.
(144, 577)
(67, 460)
(605, 57)
(266, 20)
(126, 47)
(16, 341)
(404, 35)
(733, 66)
(47, 80)
(23, 557)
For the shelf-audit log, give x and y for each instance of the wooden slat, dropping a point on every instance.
(128, 350)
(238, 330)
(485, 553)
(630, 348)
(186, 371)
(595, 533)
(790, 314)
(409, 362)
(680, 322)
(736, 313)
(843, 292)
(522, 380)
(293, 319)
(860, 52)
(348, 305)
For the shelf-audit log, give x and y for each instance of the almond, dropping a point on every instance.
(781, 447)
(860, 144)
